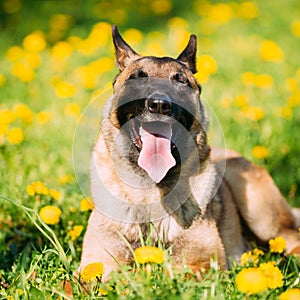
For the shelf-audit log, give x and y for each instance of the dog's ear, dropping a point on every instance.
(124, 53)
(188, 55)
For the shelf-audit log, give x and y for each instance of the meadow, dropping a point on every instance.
(54, 65)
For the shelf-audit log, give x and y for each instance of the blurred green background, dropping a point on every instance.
(145, 15)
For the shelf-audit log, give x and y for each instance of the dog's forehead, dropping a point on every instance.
(152, 66)
(159, 65)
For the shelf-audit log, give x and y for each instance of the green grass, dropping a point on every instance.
(38, 259)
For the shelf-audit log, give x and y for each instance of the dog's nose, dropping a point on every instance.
(159, 106)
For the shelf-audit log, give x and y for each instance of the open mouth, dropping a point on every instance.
(154, 141)
(155, 135)
(155, 156)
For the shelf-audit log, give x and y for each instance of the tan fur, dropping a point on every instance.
(258, 199)
(210, 222)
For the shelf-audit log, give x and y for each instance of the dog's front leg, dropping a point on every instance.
(198, 245)
(103, 244)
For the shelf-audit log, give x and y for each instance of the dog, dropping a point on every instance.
(151, 162)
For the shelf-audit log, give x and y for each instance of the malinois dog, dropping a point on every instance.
(151, 162)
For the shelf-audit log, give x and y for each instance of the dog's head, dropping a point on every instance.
(157, 101)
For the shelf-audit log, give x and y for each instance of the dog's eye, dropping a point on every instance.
(138, 74)
(180, 77)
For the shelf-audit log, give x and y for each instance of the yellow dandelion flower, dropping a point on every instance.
(260, 152)
(50, 214)
(23, 72)
(75, 232)
(37, 188)
(285, 112)
(101, 33)
(74, 41)
(292, 294)
(270, 51)
(177, 22)
(263, 81)
(104, 291)
(30, 190)
(64, 179)
(3, 129)
(2, 137)
(62, 50)
(251, 281)
(19, 291)
(6, 117)
(72, 110)
(64, 89)
(54, 194)
(294, 100)
(72, 209)
(2, 80)
(133, 36)
(207, 63)
(253, 113)
(247, 10)
(44, 117)
(14, 53)
(34, 42)
(161, 7)
(206, 66)
(248, 78)
(291, 85)
(295, 28)
(92, 272)
(15, 136)
(248, 258)
(241, 100)
(40, 188)
(277, 245)
(257, 252)
(102, 65)
(32, 59)
(273, 275)
(98, 37)
(23, 112)
(220, 13)
(149, 254)
(86, 204)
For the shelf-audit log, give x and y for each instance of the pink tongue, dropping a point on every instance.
(155, 157)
